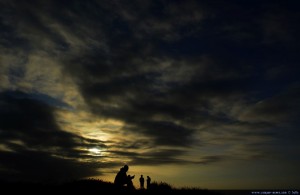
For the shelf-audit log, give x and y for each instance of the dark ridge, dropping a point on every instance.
(94, 186)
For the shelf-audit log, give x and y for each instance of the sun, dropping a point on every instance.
(94, 151)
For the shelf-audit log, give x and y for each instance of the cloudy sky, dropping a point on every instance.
(192, 93)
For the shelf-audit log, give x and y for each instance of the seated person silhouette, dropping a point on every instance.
(130, 183)
(121, 177)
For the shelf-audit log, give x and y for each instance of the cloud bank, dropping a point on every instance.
(179, 78)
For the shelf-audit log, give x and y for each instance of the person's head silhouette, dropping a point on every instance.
(125, 168)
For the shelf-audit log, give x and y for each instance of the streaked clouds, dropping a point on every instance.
(88, 86)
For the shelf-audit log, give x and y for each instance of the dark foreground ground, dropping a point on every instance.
(99, 187)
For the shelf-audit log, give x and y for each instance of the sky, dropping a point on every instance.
(192, 93)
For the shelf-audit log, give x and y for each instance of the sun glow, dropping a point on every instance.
(94, 151)
(87, 125)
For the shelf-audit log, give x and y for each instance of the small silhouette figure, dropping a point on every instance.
(130, 185)
(142, 181)
(121, 177)
(148, 182)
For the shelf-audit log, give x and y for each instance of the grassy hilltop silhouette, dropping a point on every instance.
(94, 186)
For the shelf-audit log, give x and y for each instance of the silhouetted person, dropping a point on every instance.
(121, 177)
(130, 185)
(142, 181)
(148, 182)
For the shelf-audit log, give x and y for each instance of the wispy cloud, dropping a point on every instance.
(150, 83)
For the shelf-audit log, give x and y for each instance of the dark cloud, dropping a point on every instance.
(165, 133)
(283, 108)
(164, 156)
(34, 145)
(128, 84)
(169, 70)
(172, 156)
(42, 167)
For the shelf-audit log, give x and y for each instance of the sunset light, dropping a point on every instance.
(193, 93)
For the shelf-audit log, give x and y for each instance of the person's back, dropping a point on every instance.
(121, 177)
(118, 178)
